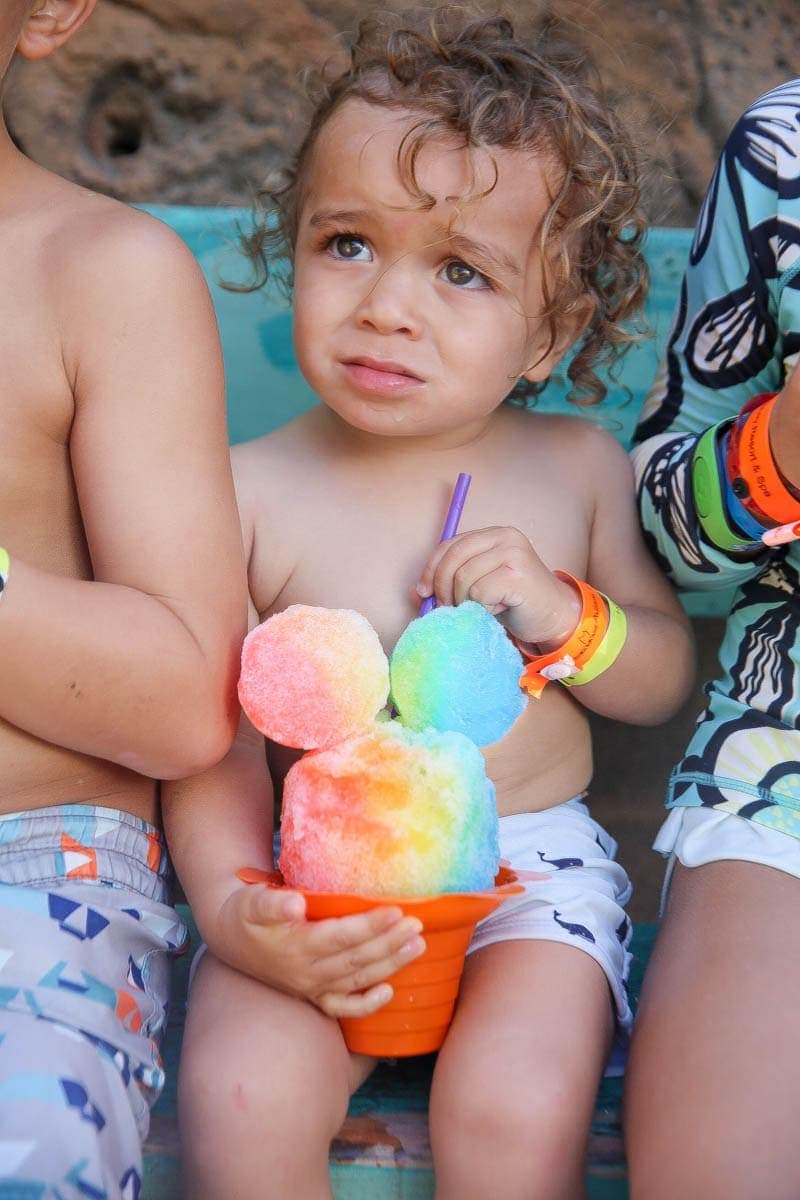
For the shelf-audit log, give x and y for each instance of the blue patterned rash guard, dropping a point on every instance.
(735, 334)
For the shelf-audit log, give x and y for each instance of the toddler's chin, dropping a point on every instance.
(379, 419)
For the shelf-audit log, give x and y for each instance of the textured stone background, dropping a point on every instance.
(189, 101)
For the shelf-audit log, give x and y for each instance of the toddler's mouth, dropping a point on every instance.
(380, 376)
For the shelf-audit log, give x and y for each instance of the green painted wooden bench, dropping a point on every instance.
(382, 1150)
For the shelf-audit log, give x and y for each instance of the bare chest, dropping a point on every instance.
(364, 546)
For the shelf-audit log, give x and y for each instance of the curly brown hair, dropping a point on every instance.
(475, 76)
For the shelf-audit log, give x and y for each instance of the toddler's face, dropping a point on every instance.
(410, 322)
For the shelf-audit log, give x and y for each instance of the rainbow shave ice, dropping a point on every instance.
(456, 669)
(313, 676)
(392, 812)
(375, 807)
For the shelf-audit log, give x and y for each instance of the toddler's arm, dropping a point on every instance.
(138, 665)
(222, 820)
(500, 569)
(653, 674)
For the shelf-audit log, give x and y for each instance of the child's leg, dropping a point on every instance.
(515, 1085)
(713, 1082)
(264, 1085)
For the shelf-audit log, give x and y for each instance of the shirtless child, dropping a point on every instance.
(461, 211)
(120, 623)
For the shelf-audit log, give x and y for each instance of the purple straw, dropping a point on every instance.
(450, 527)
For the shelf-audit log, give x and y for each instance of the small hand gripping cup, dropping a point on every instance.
(417, 1017)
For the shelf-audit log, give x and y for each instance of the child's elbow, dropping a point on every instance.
(200, 757)
(202, 740)
(676, 688)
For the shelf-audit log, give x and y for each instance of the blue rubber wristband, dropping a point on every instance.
(736, 512)
(708, 490)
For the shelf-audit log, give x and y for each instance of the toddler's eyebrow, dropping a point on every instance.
(329, 216)
(490, 255)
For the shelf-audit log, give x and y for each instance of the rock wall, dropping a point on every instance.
(190, 101)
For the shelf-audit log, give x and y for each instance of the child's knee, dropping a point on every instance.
(539, 1135)
(287, 1095)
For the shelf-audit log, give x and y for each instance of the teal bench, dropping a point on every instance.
(382, 1150)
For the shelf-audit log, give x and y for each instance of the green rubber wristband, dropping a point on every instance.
(708, 494)
(609, 649)
(5, 564)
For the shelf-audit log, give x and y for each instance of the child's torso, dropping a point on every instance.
(40, 519)
(349, 534)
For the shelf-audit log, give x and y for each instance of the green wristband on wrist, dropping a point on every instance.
(5, 564)
(708, 491)
(609, 649)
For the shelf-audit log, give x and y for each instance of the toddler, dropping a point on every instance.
(462, 211)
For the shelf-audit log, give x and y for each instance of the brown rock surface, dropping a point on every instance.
(191, 101)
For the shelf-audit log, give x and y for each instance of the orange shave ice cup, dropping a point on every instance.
(417, 1017)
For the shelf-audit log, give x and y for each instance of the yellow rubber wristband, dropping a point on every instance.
(578, 648)
(609, 649)
(5, 564)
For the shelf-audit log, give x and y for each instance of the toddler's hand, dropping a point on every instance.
(339, 964)
(499, 568)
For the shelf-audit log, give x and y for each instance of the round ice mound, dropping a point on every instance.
(456, 669)
(313, 676)
(390, 813)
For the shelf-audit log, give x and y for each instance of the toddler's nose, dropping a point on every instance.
(392, 304)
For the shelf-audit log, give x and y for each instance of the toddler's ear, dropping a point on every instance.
(50, 24)
(571, 326)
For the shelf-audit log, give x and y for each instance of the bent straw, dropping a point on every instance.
(450, 527)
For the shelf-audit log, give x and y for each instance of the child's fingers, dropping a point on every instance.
(425, 584)
(456, 549)
(455, 561)
(452, 573)
(364, 966)
(359, 1004)
(271, 906)
(487, 578)
(337, 935)
(345, 943)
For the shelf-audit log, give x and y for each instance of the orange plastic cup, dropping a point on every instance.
(417, 1017)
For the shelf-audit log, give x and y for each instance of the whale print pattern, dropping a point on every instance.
(574, 892)
(736, 335)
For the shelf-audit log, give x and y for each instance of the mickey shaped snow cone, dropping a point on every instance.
(376, 812)
(378, 808)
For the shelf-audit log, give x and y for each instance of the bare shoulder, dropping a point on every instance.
(132, 304)
(101, 242)
(589, 438)
(578, 438)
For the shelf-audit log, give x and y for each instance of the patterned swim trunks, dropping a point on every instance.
(86, 941)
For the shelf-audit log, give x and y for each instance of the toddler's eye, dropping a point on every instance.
(347, 245)
(462, 275)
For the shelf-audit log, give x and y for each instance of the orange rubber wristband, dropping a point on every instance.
(570, 657)
(752, 472)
